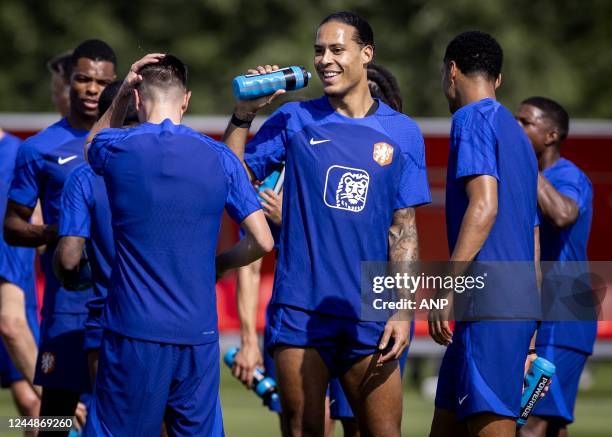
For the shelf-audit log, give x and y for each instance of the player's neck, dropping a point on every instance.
(156, 113)
(475, 89)
(80, 121)
(355, 104)
(548, 158)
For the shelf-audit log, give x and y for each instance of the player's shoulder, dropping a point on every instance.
(479, 112)
(51, 137)
(81, 175)
(570, 172)
(10, 140)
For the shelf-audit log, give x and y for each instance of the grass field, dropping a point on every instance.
(244, 416)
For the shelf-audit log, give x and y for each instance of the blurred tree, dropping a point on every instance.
(556, 48)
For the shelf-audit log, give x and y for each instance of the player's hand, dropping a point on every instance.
(530, 359)
(80, 415)
(246, 109)
(247, 359)
(439, 320)
(273, 205)
(133, 77)
(399, 331)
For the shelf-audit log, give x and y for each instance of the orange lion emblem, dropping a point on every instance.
(383, 154)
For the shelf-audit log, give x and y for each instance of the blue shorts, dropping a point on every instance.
(62, 359)
(482, 369)
(339, 407)
(561, 397)
(341, 342)
(17, 267)
(8, 372)
(140, 384)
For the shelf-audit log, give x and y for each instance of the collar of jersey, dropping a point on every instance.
(328, 106)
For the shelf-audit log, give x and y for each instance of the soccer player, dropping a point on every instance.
(85, 221)
(355, 171)
(565, 204)
(490, 216)
(167, 187)
(18, 304)
(43, 163)
(60, 67)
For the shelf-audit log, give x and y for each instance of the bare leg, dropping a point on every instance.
(375, 394)
(302, 379)
(537, 426)
(445, 424)
(16, 333)
(491, 425)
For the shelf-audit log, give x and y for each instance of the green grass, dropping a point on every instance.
(245, 416)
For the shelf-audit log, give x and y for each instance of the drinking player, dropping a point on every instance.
(43, 163)
(565, 204)
(167, 188)
(355, 171)
(490, 214)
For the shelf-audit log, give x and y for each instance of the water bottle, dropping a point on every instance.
(538, 376)
(263, 386)
(251, 86)
(273, 182)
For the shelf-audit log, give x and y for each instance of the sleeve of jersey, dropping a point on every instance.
(28, 170)
(569, 187)
(241, 199)
(100, 149)
(266, 151)
(477, 149)
(75, 220)
(414, 187)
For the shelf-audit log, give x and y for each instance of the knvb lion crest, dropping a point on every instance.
(47, 362)
(346, 188)
(383, 153)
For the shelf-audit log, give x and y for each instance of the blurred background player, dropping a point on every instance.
(43, 163)
(491, 199)
(314, 317)
(18, 304)
(565, 205)
(167, 187)
(61, 68)
(85, 222)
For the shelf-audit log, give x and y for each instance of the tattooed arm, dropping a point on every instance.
(67, 258)
(403, 248)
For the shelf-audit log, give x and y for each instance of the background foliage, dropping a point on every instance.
(558, 48)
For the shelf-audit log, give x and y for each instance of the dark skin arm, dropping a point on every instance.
(403, 246)
(18, 231)
(558, 209)
(67, 257)
(475, 228)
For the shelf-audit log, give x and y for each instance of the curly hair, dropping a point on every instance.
(475, 52)
(384, 85)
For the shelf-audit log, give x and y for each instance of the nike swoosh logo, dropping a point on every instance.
(463, 399)
(62, 161)
(314, 142)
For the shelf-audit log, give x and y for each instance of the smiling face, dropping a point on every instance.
(339, 60)
(88, 80)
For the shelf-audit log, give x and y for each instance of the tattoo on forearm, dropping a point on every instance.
(403, 238)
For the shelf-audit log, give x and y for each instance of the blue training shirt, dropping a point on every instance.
(168, 186)
(85, 212)
(487, 140)
(569, 244)
(43, 164)
(344, 178)
(16, 263)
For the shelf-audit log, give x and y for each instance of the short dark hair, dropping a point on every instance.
(168, 71)
(61, 64)
(364, 35)
(94, 49)
(553, 111)
(106, 98)
(476, 52)
(384, 86)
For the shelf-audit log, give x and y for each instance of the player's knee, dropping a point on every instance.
(26, 400)
(12, 326)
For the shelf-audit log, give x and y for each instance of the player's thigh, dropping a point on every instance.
(302, 380)
(445, 424)
(375, 394)
(491, 425)
(12, 300)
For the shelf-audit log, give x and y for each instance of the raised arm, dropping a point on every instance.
(557, 208)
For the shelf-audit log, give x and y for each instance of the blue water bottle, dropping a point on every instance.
(263, 386)
(273, 182)
(538, 376)
(251, 86)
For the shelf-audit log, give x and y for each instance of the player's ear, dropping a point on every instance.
(367, 54)
(137, 100)
(498, 81)
(552, 137)
(185, 102)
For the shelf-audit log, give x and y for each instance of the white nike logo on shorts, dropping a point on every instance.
(314, 142)
(463, 399)
(62, 161)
